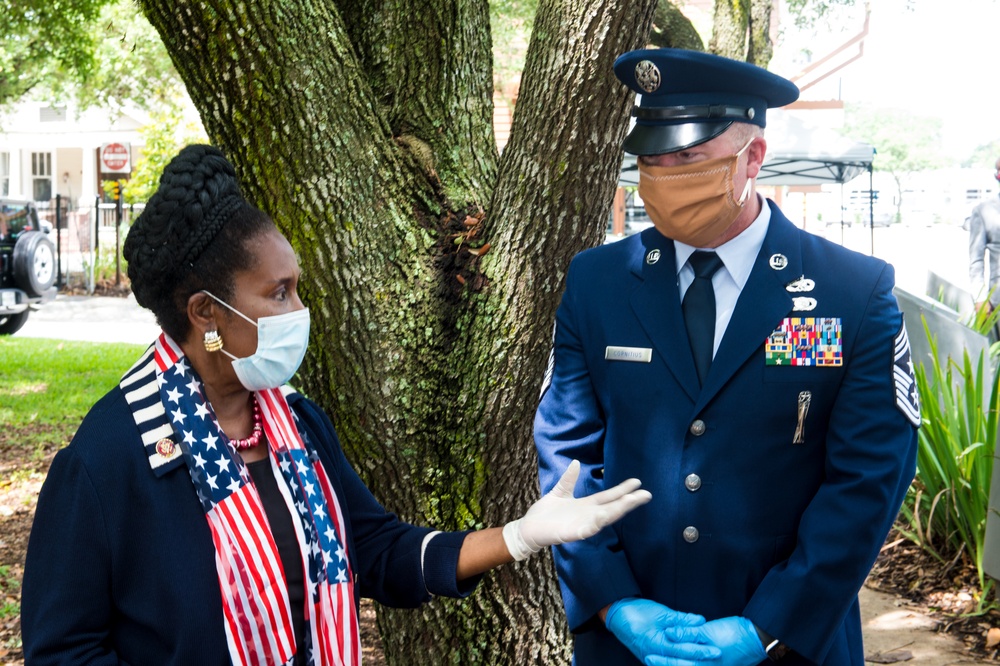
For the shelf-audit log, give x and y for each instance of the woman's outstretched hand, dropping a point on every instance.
(558, 517)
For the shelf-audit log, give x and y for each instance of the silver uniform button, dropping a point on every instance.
(690, 534)
(697, 428)
(692, 482)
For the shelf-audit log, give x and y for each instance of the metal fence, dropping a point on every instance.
(88, 239)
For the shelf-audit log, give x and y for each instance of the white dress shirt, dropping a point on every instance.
(738, 256)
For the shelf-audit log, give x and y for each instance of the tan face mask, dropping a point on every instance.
(693, 203)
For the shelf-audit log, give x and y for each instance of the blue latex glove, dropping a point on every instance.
(649, 630)
(735, 636)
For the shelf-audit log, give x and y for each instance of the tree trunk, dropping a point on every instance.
(741, 29)
(432, 272)
(760, 48)
(729, 28)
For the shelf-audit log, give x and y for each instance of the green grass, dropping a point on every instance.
(9, 588)
(47, 386)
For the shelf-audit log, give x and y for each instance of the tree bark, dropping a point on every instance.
(760, 48)
(671, 29)
(431, 271)
(741, 29)
(729, 29)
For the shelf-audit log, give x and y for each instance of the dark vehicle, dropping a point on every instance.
(27, 264)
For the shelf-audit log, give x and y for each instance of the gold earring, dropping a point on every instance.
(213, 341)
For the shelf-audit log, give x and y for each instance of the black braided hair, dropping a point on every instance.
(193, 235)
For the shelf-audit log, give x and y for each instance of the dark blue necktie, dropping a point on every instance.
(699, 310)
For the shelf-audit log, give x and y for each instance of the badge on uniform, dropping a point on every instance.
(907, 399)
(805, 341)
(633, 354)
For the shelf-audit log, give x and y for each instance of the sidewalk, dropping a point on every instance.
(91, 319)
(891, 629)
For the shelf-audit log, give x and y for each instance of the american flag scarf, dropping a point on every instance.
(169, 405)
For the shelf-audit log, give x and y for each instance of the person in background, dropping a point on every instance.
(756, 375)
(984, 239)
(204, 512)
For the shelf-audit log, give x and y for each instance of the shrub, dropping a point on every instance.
(946, 507)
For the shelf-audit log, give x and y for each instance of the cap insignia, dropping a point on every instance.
(647, 75)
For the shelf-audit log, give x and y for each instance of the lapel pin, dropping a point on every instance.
(803, 303)
(653, 257)
(801, 284)
(778, 261)
(166, 448)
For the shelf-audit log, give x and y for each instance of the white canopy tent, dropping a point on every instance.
(797, 154)
(802, 154)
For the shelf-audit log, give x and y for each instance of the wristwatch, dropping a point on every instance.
(775, 650)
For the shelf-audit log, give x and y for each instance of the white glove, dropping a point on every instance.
(558, 517)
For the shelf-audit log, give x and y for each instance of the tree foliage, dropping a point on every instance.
(93, 52)
(510, 26)
(806, 14)
(44, 40)
(904, 142)
(163, 137)
(984, 155)
(132, 67)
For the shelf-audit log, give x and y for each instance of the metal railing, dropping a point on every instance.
(82, 235)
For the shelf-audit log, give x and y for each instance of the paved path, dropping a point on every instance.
(892, 627)
(92, 319)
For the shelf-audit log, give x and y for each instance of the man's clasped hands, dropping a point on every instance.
(660, 636)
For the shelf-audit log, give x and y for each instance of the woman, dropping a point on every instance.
(204, 513)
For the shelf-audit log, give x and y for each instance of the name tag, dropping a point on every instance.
(634, 354)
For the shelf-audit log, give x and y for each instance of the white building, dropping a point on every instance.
(47, 150)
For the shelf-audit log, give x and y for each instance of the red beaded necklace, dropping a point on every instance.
(254, 438)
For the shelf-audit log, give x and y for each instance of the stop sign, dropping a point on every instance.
(115, 158)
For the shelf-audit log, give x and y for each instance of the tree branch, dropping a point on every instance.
(429, 66)
(672, 29)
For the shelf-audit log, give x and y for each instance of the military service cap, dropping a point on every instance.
(689, 97)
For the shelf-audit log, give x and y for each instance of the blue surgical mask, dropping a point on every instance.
(281, 346)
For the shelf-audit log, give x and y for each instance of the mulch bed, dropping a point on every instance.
(946, 591)
(103, 287)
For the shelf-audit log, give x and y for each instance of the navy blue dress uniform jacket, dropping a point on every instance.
(743, 521)
(121, 567)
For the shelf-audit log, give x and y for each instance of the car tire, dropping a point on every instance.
(12, 323)
(34, 263)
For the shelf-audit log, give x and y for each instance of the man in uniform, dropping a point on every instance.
(757, 378)
(984, 238)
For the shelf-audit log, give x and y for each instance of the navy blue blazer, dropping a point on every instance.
(121, 568)
(743, 520)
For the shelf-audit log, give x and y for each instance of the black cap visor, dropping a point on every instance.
(660, 139)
